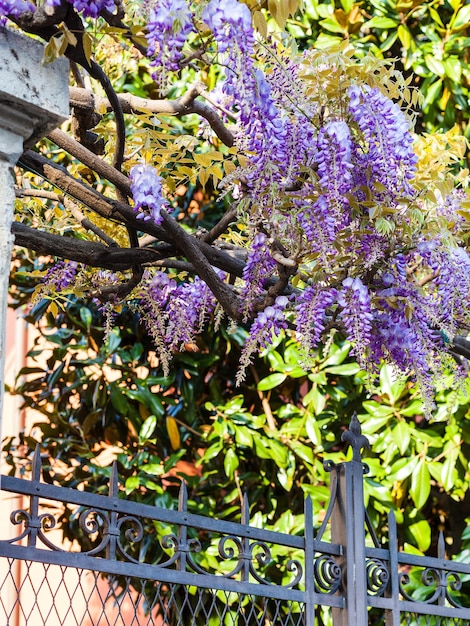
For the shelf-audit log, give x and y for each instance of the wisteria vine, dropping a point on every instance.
(341, 234)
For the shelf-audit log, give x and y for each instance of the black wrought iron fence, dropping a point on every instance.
(213, 572)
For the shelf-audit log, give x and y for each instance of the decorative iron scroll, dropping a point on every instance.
(440, 584)
(35, 525)
(327, 574)
(378, 576)
(110, 530)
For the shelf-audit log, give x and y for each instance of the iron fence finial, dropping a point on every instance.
(355, 438)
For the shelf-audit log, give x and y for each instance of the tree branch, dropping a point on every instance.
(221, 226)
(84, 98)
(90, 253)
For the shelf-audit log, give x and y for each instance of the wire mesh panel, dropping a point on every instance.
(39, 594)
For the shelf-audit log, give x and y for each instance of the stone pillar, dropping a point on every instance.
(34, 99)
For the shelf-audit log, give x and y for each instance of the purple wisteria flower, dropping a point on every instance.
(230, 22)
(357, 316)
(333, 158)
(267, 324)
(61, 275)
(386, 130)
(259, 267)
(146, 187)
(188, 308)
(13, 8)
(169, 24)
(329, 214)
(311, 307)
(174, 313)
(91, 8)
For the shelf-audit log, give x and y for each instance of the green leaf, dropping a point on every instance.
(271, 381)
(86, 317)
(453, 68)
(302, 451)
(421, 533)
(376, 409)
(383, 23)
(436, 17)
(155, 469)
(347, 369)
(148, 428)
(388, 43)
(313, 430)
(435, 65)
(402, 468)
(404, 36)
(448, 473)
(275, 360)
(330, 23)
(316, 399)
(389, 383)
(433, 92)
(118, 400)
(337, 355)
(243, 436)
(113, 341)
(231, 462)
(420, 484)
(132, 483)
(413, 408)
(401, 436)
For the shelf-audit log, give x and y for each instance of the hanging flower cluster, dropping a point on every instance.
(174, 313)
(146, 187)
(332, 195)
(169, 24)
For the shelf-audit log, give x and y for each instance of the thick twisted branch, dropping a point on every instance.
(90, 253)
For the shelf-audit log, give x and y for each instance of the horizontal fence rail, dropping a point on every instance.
(202, 570)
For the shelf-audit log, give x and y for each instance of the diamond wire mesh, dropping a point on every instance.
(414, 619)
(36, 594)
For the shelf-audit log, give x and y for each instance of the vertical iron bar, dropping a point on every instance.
(392, 617)
(111, 529)
(441, 554)
(34, 522)
(182, 529)
(309, 564)
(246, 555)
(348, 530)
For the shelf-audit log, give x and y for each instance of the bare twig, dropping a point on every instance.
(38, 193)
(264, 402)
